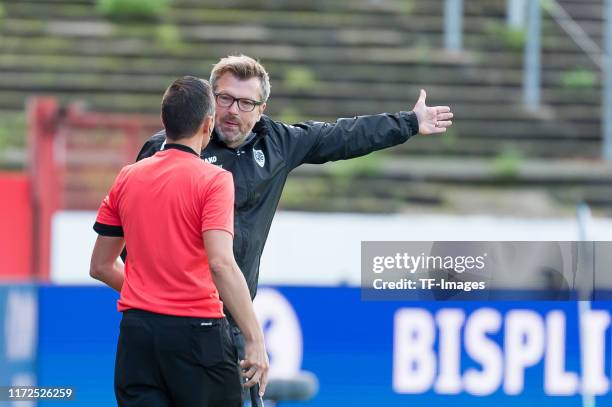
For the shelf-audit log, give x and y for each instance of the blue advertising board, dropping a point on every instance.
(18, 334)
(370, 353)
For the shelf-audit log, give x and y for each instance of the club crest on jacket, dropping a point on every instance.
(260, 158)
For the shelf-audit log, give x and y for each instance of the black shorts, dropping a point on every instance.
(165, 361)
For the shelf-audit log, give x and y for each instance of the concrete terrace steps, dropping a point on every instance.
(252, 33)
(282, 52)
(265, 5)
(584, 10)
(73, 14)
(393, 33)
(355, 57)
(589, 16)
(450, 183)
(363, 72)
(423, 197)
(353, 91)
(359, 57)
(204, 14)
(579, 9)
(522, 128)
(129, 47)
(458, 146)
(481, 170)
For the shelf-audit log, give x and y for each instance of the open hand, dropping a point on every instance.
(432, 120)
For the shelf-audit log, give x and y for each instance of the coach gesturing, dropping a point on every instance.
(175, 213)
(261, 152)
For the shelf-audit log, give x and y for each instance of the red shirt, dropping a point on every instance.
(162, 204)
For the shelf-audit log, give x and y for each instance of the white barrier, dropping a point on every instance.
(324, 249)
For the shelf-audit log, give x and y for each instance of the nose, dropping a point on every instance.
(234, 108)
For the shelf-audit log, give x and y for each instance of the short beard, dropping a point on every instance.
(239, 139)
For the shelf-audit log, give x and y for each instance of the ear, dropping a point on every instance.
(207, 125)
(262, 107)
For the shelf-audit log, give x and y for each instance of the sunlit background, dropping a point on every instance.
(529, 157)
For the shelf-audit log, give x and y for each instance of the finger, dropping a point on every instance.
(445, 116)
(263, 382)
(253, 380)
(422, 96)
(447, 123)
(437, 130)
(442, 109)
(250, 373)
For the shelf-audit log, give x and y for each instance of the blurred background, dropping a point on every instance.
(80, 89)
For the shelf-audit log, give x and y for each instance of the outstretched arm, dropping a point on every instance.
(317, 142)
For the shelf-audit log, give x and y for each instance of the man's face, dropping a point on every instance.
(232, 124)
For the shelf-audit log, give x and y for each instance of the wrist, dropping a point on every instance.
(254, 337)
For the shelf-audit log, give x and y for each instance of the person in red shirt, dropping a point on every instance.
(175, 214)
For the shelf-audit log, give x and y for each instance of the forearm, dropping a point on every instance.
(350, 138)
(235, 295)
(111, 274)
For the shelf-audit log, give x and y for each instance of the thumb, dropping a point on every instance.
(422, 96)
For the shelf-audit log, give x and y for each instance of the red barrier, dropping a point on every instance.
(43, 116)
(16, 230)
(74, 156)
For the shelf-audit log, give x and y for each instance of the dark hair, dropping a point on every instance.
(186, 103)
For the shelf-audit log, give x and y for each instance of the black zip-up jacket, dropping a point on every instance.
(260, 167)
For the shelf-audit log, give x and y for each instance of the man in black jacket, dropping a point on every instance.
(260, 153)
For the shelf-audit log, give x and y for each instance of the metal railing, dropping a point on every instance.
(527, 15)
(453, 25)
(532, 63)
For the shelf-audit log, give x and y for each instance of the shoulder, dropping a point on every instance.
(280, 129)
(124, 175)
(136, 167)
(212, 169)
(213, 179)
(156, 140)
(152, 145)
(209, 171)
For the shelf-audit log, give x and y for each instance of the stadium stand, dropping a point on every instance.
(333, 59)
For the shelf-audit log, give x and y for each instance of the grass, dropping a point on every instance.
(579, 79)
(169, 36)
(511, 38)
(144, 10)
(299, 78)
(344, 172)
(450, 138)
(289, 115)
(299, 192)
(507, 164)
(13, 131)
(423, 51)
(405, 7)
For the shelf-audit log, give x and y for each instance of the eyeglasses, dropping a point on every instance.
(244, 104)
